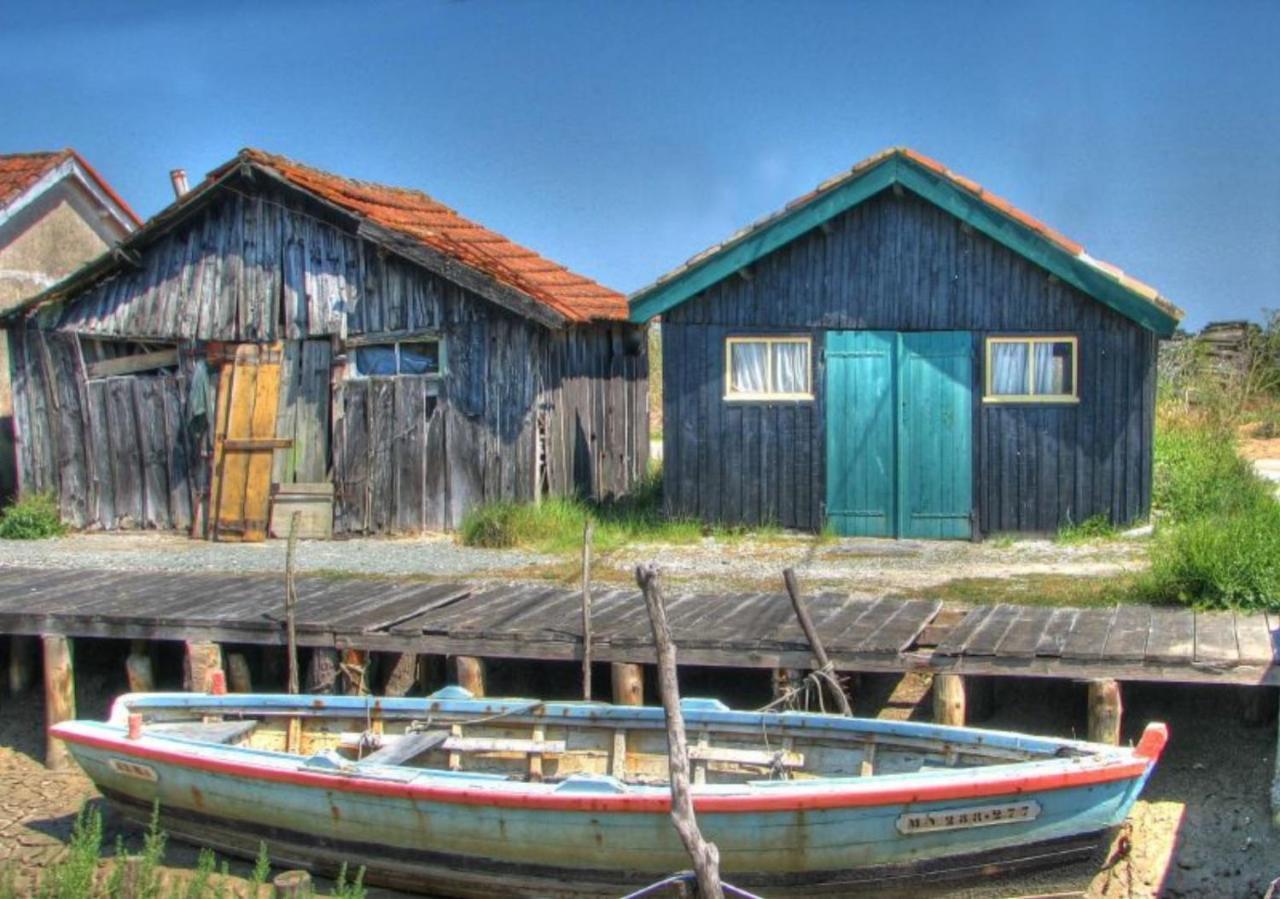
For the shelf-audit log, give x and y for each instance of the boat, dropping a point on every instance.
(462, 796)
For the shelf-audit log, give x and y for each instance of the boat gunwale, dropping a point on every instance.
(1019, 778)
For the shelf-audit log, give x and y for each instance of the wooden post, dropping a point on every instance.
(470, 673)
(293, 884)
(1105, 709)
(588, 531)
(705, 855)
(628, 683)
(137, 668)
(948, 700)
(355, 668)
(291, 602)
(784, 680)
(59, 696)
(239, 678)
(22, 652)
(815, 642)
(203, 658)
(322, 670)
(402, 676)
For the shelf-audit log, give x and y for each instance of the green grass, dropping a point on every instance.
(1218, 540)
(33, 517)
(555, 525)
(83, 872)
(1091, 530)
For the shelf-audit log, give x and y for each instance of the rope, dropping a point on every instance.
(809, 686)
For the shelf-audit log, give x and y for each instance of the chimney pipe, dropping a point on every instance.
(179, 179)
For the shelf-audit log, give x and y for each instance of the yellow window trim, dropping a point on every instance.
(730, 396)
(1029, 396)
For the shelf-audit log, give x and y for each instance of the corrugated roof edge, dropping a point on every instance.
(752, 242)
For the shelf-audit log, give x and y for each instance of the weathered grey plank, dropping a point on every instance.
(1216, 639)
(1022, 639)
(1253, 637)
(1172, 638)
(1127, 641)
(1088, 635)
(953, 643)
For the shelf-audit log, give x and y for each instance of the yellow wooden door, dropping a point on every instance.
(244, 438)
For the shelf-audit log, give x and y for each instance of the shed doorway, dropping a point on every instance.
(900, 433)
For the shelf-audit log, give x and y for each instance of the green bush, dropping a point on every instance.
(1198, 473)
(1220, 561)
(1099, 527)
(33, 517)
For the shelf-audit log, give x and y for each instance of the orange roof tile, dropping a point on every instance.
(19, 171)
(431, 223)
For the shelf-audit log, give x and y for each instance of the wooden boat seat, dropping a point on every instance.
(205, 731)
(407, 748)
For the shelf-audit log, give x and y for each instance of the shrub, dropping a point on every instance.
(1220, 561)
(33, 517)
(1198, 472)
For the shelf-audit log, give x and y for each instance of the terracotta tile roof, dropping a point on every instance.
(419, 217)
(1054, 237)
(19, 171)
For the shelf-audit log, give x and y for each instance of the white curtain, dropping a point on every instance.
(749, 363)
(791, 368)
(1010, 363)
(1053, 368)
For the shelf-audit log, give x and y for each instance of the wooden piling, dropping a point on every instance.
(22, 653)
(293, 885)
(355, 672)
(1105, 710)
(402, 676)
(239, 678)
(628, 683)
(137, 668)
(203, 658)
(322, 670)
(704, 855)
(470, 673)
(949, 700)
(59, 696)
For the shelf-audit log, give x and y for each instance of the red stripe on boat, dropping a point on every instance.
(976, 788)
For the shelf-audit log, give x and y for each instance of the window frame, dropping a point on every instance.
(364, 341)
(1032, 340)
(769, 395)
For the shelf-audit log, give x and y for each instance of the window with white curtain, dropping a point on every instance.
(768, 368)
(1032, 369)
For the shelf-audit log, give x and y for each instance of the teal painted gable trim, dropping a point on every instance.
(937, 190)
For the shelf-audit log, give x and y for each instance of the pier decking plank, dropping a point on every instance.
(543, 621)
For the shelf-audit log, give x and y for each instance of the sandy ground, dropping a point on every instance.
(1201, 829)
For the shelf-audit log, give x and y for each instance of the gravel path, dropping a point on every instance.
(859, 566)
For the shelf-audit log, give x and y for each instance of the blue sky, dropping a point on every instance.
(621, 138)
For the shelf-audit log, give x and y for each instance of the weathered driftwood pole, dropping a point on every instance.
(470, 672)
(322, 670)
(815, 642)
(59, 696)
(588, 531)
(402, 676)
(1105, 710)
(291, 602)
(949, 700)
(239, 679)
(705, 855)
(355, 672)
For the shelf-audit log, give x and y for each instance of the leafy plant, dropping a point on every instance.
(353, 890)
(34, 517)
(74, 876)
(1198, 472)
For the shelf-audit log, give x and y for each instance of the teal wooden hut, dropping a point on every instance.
(901, 353)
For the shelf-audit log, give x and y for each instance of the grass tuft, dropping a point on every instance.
(555, 525)
(33, 517)
(1091, 530)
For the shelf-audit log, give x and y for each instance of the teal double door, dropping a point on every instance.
(899, 409)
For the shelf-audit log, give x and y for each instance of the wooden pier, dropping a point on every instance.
(743, 630)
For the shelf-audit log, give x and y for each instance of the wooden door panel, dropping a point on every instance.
(860, 432)
(244, 438)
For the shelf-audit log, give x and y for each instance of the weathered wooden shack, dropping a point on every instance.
(902, 353)
(282, 338)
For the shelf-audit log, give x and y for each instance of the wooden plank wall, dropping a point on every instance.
(403, 455)
(899, 263)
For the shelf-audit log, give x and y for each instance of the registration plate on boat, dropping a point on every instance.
(133, 769)
(971, 816)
